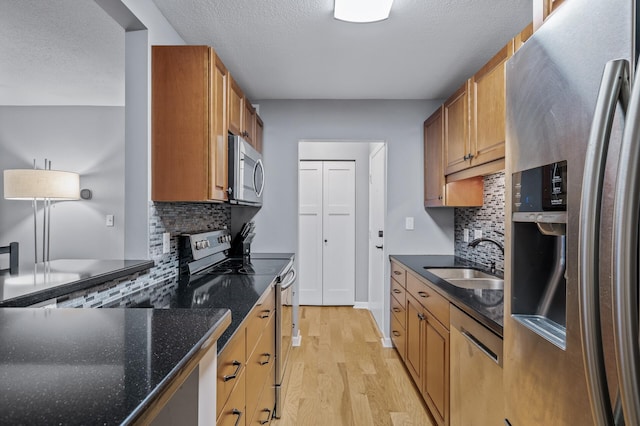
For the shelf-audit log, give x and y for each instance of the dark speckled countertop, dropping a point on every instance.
(486, 306)
(95, 366)
(61, 277)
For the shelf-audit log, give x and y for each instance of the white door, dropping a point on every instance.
(327, 232)
(377, 185)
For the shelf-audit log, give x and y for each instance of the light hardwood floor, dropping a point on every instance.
(341, 374)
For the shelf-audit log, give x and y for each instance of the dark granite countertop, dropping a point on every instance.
(486, 306)
(96, 366)
(60, 277)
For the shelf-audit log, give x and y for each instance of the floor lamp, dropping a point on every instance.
(41, 184)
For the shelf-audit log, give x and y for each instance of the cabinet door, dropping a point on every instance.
(236, 107)
(436, 369)
(414, 339)
(259, 132)
(218, 145)
(433, 170)
(248, 122)
(456, 130)
(488, 93)
(234, 412)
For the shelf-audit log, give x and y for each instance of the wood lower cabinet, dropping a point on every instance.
(234, 412)
(425, 340)
(188, 124)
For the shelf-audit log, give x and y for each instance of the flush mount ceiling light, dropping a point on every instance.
(362, 10)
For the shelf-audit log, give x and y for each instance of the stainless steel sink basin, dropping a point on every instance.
(465, 273)
(468, 278)
(477, 283)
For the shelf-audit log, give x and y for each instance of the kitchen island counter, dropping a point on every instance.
(98, 366)
(485, 306)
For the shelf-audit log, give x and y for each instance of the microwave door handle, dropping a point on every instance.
(626, 215)
(612, 88)
(255, 172)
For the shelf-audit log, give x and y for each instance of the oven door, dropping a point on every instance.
(284, 331)
(247, 173)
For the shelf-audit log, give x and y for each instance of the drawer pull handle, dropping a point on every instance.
(267, 361)
(396, 309)
(265, 313)
(396, 333)
(423, 294)
(238, 413)
(238, 365)
(421, 317)
(397, 273)
(396, 291)
(264, 422)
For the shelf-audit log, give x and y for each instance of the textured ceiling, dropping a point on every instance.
(294, 49)
(60, 52)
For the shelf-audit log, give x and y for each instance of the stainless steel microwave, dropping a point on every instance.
(246, 173)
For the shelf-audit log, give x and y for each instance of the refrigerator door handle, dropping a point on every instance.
(614, 87)
(626, 214)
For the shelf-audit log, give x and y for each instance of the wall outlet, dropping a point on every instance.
(408, 223)
(166, 243)
(477, 234)
(466, 235)
(109, 220)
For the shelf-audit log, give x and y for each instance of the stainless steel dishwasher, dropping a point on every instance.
(477, 396)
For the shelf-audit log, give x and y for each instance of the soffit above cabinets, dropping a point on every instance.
(294, 49)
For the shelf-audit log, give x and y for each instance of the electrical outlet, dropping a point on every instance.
(477, 234)
(166, 243)
(110, 220)
(408, 223)
(466, 235)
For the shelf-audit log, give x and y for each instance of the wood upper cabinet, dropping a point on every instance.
(236, 107)
(259, 133)
(433, 170)
(189, 124)
(456, 130)
(488, 96)
(248, 122)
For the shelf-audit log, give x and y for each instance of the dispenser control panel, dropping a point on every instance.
(541, 189)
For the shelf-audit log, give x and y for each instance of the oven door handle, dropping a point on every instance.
(288, 283)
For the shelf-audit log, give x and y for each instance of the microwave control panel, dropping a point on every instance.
(541, 189)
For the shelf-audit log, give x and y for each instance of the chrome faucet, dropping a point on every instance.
(477, 241)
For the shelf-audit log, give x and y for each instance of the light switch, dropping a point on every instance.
(466, 235)
(408, 223)
(110, 220)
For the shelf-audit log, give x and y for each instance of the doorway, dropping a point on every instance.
(326, 232)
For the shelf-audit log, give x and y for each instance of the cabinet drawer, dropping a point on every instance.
(429, 298)
(398, 311)
(398, 273)
(398, 291)
(398, 336)
(233, 413)
(260, 365)
(231, 364)
(266, 403)
(258, 318)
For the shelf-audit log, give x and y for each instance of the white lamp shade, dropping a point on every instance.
(362, 10)
(27, 184)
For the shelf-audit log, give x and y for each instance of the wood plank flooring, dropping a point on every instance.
(341, 375)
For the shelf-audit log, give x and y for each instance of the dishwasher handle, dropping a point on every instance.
(477, 335)
(286, 283)
(478, 344)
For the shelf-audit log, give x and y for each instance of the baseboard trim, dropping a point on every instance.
(296, 340)
(361, 305)
(386, 342)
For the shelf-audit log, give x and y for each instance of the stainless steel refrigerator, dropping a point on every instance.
(572, 355)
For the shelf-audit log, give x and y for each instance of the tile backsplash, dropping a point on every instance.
(175, 218)
(489, 218)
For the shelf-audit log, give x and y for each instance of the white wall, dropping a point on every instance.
(358, 152)
(399, 123)
(82, 139)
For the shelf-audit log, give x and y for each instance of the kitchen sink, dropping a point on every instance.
(462, 273)
(477, 283)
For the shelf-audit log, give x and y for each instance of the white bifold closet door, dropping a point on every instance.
(327, 229)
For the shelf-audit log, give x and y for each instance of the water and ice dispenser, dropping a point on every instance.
(538, 292)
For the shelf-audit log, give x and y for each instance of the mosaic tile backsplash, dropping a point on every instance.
(175, 218)
(489, 218)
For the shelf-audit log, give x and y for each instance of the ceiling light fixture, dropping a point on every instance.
(362, 10)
